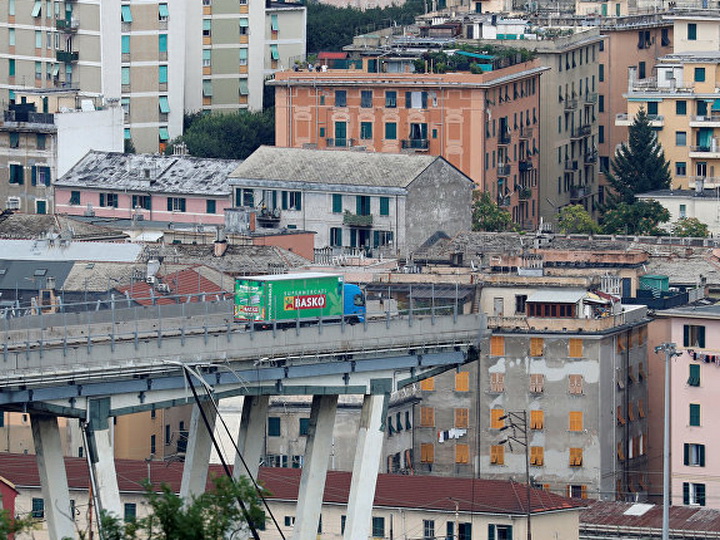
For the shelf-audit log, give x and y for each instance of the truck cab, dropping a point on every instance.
(354, 304)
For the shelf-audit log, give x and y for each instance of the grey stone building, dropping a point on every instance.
(374, 201)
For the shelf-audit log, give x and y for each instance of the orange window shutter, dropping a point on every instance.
(497, 346)
(620, 415)
(631, 412)
(495, 418)
(462, 381)
(583, 492)
(536, 346)
(428, 384)
(575, 346)
(461, 418)
(641, 408)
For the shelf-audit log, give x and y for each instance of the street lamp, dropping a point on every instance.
(517, 421)
(670, 352)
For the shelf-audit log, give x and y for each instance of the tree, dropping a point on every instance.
(488, 216)
(641, 218)
(12, 525)
(574, 219)
(227, 136)
(639, 165)
(691, 227)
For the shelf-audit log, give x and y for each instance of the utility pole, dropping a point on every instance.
(670, 352)
(518, 422)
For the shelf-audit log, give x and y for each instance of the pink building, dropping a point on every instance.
(695, 426)
(152, 187)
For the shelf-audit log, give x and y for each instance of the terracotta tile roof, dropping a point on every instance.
(421, 492)
(184, 282)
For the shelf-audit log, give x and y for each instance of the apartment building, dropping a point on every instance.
(43, 135)
(158, 59)
(681, 100)
(484, 124)
(694, 427)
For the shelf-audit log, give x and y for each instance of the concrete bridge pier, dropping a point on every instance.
(365, 468)
(317, 456)
(251, 435)
(199, 447)
(53, 478)
(102, 457)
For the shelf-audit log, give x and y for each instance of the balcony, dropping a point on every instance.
(67, 25)
(357, 220)
(415, 144)
(268, 219)
(706, 152)
(591, 98)
(28, 117)
(503, 170)
(707, 121)
(340, 143)
(504, 138)
(564, 324)
(571, 165)
(526, 165)
(570, 104)
(524, 193)
(578, 193)
(655, 120)
(581, 132)
(591, 157)
(526, 132)
(67, 56)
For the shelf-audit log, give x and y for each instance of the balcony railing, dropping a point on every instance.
(415, 144)
(526, 132)
(580, 132)
(571, 165)
(525, 165)
(706, 118)
(67, 25)
(524, 193)
(340, 143)
(357, 220)
(577, 193)
(503, 170)
(29, 117)
(504, 138)
(591, 98)
(591, 157)
(706, 149)
(570, 104)
(67, 56)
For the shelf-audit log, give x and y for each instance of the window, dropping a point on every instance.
(11, 37)
(163, 12)
(273, 426)
(699, 74)
(497, 382)
(497, 420)
(125, 76)
(537, 456)
(575, 421)
(652, 108)
(464, 531)
(366, 130)
(497, 346)
(537, 346)
(428, 529)
(576, 457)
(207, 27)
(537, 420)
(126, 14)
(130, 512)
(304, 426)
(274, 24)
(427, 417)
(694, 454)
(17, 174)
(693, 494)
(207, 89)
(462, 454)
(462, 418)
(366, 99)
(390, 131)
(378, 527)
(336, 236)
(109, 200)
(693, 336)
(36, 8)
(692, 31)
(362, 205)
(38, 39)
(575, 348)
(210, 206)
(74, 198)
(340, 98)
(499, 532)
(681, 107)
(601, 72)
(291, 200)
(337, 203)
(14, 139)
(694, 378)
(163, 79)
(497, 454)
(575, 384)
(680, 170)
(289, 521)
(38, 508)
(416, 100)
(176, 204)
(11, 67)
(162, 43)
(275, 55)
(601, 103)
(520, 300)
(641, 71)
(537, 383)
(694, 414)
(141, 201)
(125, 44)
(462, 381)
(153, 444)
(384, 206)
(427, 453)
(680, 138)
(428, 385)
(391, 99)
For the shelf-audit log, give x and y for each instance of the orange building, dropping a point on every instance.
(484, 124)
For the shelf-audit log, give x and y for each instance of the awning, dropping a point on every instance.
(163, 11)
(274, 54)
(36, 9)
(164, 105)
(164, 135)
(476, 55)
(126, 14)
(244, 23)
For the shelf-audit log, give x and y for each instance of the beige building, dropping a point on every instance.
(158, 59)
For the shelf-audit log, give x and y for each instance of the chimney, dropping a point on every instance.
(219, 248)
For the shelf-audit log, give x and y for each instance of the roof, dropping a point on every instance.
(150, 173)
(61, 250)
(558, 296)
(349, 168)
(298, 275)
(181, 283)
(625, 517)
(706, 193)
(32, 275)
(395, 491)
(22, 226)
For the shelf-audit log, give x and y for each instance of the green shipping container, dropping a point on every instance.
(288, 297)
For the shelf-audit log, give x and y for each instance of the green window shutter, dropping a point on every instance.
(686, 493)
(694, 378)
(164, 134)
(391, 131)
(284, 200)
(169, 204)
(274, 23)
(686, 454)
(298, 200)
(163, 11)
(686, 335)
(358, 204)
(700, 494)
(126, 44)
(274, 426)
(163, 77)
(701, 455)
(210, 206)
(491, 532)
(408, 99)
(163, 102)
(694, 414)
(36, 9)
(424, 100)
(162, 42)
(183, 206)
(336, 203)
(275, 54)
(701, 337)
(126, 14)
(384, 206)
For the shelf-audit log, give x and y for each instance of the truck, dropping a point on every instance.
(293, 298)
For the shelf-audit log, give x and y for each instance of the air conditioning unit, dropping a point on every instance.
(13, 203)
